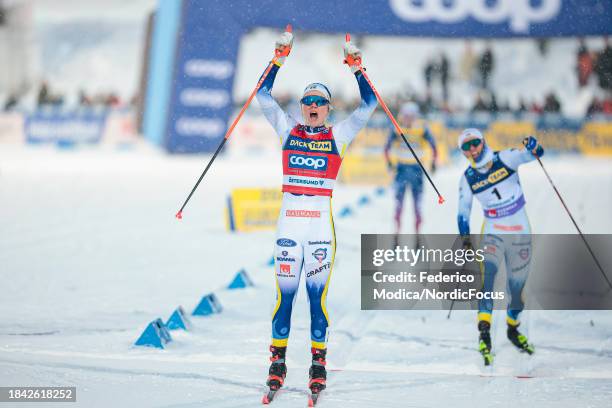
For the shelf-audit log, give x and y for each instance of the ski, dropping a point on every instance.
(313, 398)
(316, 387)
(269, 396)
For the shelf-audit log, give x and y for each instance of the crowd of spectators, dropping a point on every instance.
(596, 64)
(593, 68)
(476, 70)
(46, 97)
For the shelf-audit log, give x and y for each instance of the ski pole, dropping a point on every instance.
(575, 224)
(179, 214)
(397, 126)
(450, 309)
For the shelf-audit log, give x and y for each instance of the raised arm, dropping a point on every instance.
(513, 158)
(281, 122)
(346, 130)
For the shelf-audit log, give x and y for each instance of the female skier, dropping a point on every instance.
(312, 153)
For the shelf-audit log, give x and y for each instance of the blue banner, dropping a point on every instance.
(433, 18)
(205, 66)
(64, 127)
(190, 113)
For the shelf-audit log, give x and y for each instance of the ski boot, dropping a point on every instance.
(277, 372)
(484, 347)
(519, 340)
(317, 374)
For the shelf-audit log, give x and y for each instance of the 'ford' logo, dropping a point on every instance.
(285, 242)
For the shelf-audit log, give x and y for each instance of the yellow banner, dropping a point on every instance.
(505, 135)
(596, 139)
(253, 209)
(365, 162)
(363, 168)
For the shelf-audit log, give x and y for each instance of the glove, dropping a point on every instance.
(531, 144)
(434, 166)
(352, 56)
(282, 48)
(389, 165)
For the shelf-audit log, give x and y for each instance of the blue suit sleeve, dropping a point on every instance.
(281, 122)
(345, 131)
(366, 92)
(390, 139)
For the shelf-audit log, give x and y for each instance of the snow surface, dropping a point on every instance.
(90, 252)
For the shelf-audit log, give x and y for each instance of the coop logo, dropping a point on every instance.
(200, 127)
(299, 161)
(207, 98)
(519, 13)
(206, 68)
(320, 254)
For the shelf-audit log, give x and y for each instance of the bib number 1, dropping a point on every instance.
(496, 193)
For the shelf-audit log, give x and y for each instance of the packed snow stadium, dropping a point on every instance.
(166, 179)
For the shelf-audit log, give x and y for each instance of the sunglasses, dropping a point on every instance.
(316, 99)
(467, 145)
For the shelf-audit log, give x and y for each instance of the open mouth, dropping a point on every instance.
(314, 115)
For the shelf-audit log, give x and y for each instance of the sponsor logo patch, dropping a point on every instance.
(305, 181)
(301, 161)
(285, 268)
(303, 213)
(320, 254)
(319, 269)
(508, 227)
(317, 146)
(285, 242)
(493, 178)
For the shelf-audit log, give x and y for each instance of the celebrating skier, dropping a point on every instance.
(492, 178)
(407, 170)
(312, 154)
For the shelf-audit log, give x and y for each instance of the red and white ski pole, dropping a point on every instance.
(179, 214)
(396, 125)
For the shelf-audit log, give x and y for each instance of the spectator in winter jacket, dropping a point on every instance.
(603, 66)
(486, 66)
(584, 63)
